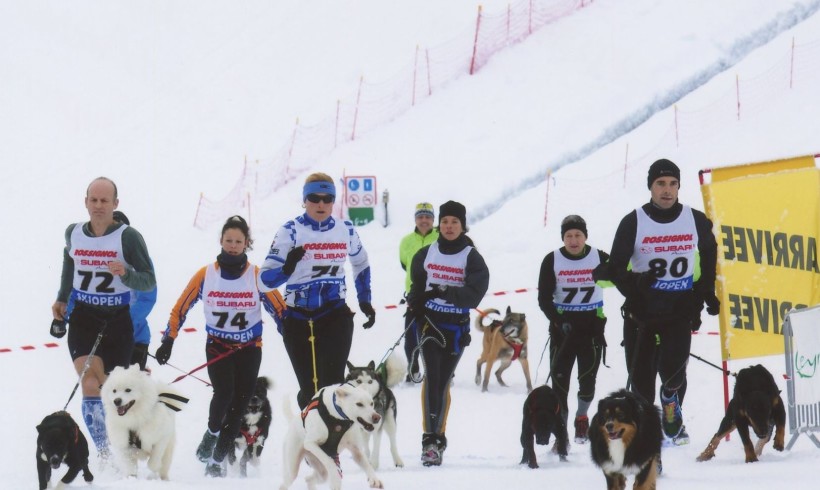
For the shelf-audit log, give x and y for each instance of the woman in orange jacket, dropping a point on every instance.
(233, 320)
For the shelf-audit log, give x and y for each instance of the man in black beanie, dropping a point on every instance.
(664, 296)
(662, 168)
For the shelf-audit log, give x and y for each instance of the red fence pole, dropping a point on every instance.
(530, 20)
(509, 7)
(415, 73)
(626, 162)
(198, 204)
(547, 197)
(791, 68)
(356, 111)
(250, 222)
(677, 141)
(473, 66)
(737, 91)
(429, 84)
(336, 132)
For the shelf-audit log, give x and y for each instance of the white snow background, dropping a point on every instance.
(169, 98)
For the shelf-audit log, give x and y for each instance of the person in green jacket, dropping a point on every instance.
(423, 235)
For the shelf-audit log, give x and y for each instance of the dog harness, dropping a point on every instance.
(336, 428)
(516, 347)
(250, 439)
(134, 440)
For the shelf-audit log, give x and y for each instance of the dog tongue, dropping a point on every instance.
(122, 410)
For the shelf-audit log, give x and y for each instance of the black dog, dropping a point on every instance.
(59, 441)
(756, 402)
(255, 426)
(542, 418)
(625, 438)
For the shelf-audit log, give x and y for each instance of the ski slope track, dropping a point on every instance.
(658, 103)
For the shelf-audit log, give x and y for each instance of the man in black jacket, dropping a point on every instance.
(665, 290)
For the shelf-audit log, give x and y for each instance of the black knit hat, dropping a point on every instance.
(452, 208)
(121, 217)
(573, 222)
(662, 168)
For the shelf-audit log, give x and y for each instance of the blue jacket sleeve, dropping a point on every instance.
(140, 309)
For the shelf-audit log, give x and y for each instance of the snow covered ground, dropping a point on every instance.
(169, 98)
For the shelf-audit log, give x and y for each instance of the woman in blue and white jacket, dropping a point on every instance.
(308, 254)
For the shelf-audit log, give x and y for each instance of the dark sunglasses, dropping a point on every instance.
(316, 198)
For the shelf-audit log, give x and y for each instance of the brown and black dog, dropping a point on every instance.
(756, 403)
(625, 439)
(505, 340)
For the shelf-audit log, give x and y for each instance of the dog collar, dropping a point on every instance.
(339, 409)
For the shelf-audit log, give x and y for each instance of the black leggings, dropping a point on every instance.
(657, 348)
(233, 379)
(333, 333)
(564, 350)
(439, 365)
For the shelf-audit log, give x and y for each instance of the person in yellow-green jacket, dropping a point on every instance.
(424, 234)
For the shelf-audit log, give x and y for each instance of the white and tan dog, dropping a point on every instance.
(332, 422)
(140, 420)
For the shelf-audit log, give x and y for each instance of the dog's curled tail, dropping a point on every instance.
(396, 367)
(264, 381)
(479, 321)
(170, 397)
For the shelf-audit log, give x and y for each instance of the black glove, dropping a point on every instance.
(164, 351)
(644, 280)
(140, 355)
(293, 258)
(58, 328)
(694, 323)
(369, 312)
(603, 272)
(712, 304)
(465, 340)
(435, 291)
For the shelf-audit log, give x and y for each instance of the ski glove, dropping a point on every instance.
(293, 258)
(712, 304)
(645, 280)
(58, 328)
(140, 355)
(603, 272)
(369, 312)
(164, 351)
(436, 291)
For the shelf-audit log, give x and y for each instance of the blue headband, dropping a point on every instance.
(319, 187)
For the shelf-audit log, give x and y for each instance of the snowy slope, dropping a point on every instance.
(168, 98)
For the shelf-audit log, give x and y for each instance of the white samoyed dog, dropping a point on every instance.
(139, 418)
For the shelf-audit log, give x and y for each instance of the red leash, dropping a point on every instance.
(215, 359)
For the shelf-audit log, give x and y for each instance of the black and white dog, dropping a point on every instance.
(378, 386)
(60, 441)
(334, 420)
(255, 426)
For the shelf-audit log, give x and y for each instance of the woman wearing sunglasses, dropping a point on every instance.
(308, 255)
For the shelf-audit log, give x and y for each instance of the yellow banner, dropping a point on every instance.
(767, 221)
